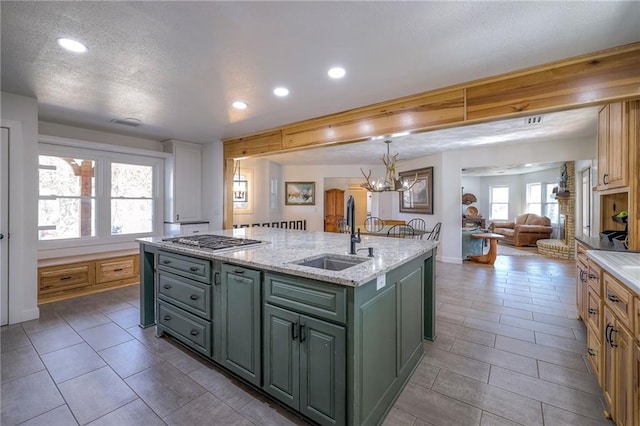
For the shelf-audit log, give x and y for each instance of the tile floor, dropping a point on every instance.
(509, 351)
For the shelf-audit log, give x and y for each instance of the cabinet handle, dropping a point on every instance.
(613, 298)
(65, 278)
(303, 337)
(582, 277)
(216, 278)
(166, 262)
(118, 270)
(294, 333)
(613, 330)
(605, 180)
(167, 286)
(593, 276)
(194, 332)
(167, 317)
(592, 311)
(194, 269)
(591, 352)
(238, 271)
(194, 297)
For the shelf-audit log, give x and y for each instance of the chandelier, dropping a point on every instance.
(239, 185)
(391, 181)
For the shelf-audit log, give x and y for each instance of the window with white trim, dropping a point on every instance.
(499, 203)
(94, 197)
(540, 200)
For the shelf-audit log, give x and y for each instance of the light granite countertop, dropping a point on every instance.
(284, 247)
(623, 266)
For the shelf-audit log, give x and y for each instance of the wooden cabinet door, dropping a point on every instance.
(622, 342)
(618, 152)
(594, 351)
(603, 143)
(636, 382)
(322, 371)
(241, 319)
(581, 290)
(333, 209)
(608, 363)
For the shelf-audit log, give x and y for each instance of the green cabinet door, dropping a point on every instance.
(305, 364)
(240, 324)
(322, 371)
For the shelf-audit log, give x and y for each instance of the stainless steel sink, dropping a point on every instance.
(332, 262)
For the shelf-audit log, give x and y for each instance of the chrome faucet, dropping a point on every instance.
(351, 212)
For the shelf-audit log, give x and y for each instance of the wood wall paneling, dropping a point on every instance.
(263, 143)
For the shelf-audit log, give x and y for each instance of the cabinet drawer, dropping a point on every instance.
(595, 278)
(307, 296)
(115, 269)
(190, 295)
(194, 228)
(66, 277)
(619, 299)
(594, 352)
(186, 266)
(594, 313)
(185, 327)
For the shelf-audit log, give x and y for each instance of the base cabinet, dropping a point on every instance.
(241, 320)
(305, 364)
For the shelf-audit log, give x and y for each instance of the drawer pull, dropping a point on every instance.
(294, 332)
(238, 271)
(583, 278)
(194, 269)
(167, 286)
(118, 270)
(194, 297)
(591, 352)
(65, 278)
(302, 336)
(593, 276)
(605, 179)
(167, 317)
(613, 298)
(216, 278)
(194, 332)
(592, 311)
(166, 262)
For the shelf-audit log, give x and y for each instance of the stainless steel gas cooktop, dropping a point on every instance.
(212, 242)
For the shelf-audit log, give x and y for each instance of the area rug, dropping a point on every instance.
(507, 250)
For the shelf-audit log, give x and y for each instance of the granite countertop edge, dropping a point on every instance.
(282, 247)
(623, 266)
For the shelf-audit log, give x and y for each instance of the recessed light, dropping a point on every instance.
(239, 105)
(72, 45)
(336, 72)
(281, 91)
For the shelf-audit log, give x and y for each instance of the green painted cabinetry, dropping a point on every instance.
(241, 322)
(304, 364)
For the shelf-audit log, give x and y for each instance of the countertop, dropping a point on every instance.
(282, 247)
(623, 266)
(599, 244)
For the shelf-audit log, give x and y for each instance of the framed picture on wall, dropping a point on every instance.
(418, 199)
(300, 193)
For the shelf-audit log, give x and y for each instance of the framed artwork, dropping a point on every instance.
(300, 193)
(418, 199)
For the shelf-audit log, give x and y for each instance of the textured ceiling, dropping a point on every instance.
(177, 66)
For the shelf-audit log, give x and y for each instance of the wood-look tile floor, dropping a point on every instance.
(509, 351)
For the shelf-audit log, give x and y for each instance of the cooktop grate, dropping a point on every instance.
(211, 242)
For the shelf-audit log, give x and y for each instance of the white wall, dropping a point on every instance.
(20, 114)
(212, 184)
(71, 132)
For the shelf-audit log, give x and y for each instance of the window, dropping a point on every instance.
(499, 202)
(96, 197)
(540, 200)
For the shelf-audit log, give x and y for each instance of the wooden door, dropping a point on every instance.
(333, 209)
(617, 152)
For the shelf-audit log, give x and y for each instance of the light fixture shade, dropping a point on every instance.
(391, 181)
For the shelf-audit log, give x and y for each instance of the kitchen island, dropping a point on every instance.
(337, 346)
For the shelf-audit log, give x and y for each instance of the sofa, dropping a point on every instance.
(525, 230)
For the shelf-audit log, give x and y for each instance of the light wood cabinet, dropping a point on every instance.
(183, 181)
(636, 381)
(63, 278)
(333, 209)
(582, 285)
(613, 147)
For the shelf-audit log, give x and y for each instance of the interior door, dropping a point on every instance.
(4, 227)
(360, 197)
(586, 202)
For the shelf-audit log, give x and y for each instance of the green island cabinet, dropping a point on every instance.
(338, 355)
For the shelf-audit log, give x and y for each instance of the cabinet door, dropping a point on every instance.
(594, 351)
(617, 153)
(608, 363)
(281, 355)
(241, 322)
(187, 183)
(322, 371)
(581, 290)
(603, 143)
(636, 382)
(623, 346)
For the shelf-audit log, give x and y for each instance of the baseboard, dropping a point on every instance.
(30, 314)
(450, 260)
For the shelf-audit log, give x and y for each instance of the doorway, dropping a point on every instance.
(4, 227)
(360, 197)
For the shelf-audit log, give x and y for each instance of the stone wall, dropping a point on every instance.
(564, 248)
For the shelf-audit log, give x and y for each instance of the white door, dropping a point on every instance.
(586, 202)
(4, 227)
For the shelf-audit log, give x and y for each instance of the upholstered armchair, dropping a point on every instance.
(525, 230)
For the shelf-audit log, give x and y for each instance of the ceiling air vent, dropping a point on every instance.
(534, 119)
(131, 122)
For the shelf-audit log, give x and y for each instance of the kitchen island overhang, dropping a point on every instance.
(364, 325)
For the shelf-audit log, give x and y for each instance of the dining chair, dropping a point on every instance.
(343, 228)
(373, 224)
(435, 232)
(419, 226)
(401, 231)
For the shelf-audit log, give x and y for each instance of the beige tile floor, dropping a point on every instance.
(509, 351)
